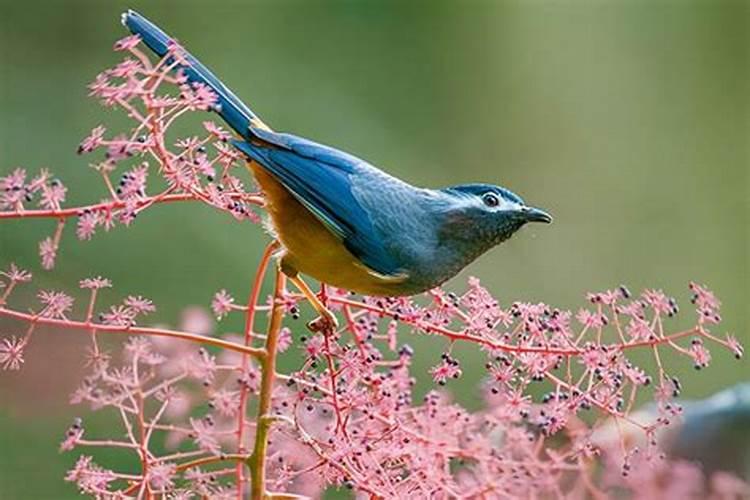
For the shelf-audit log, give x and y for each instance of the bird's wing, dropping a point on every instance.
(320, 178)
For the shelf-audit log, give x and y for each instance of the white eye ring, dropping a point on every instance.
(490, 199)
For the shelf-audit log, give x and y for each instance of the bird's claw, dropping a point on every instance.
(326, 322)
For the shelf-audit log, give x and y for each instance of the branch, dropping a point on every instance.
(132, 330)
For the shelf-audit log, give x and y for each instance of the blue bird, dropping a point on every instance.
(347, 223)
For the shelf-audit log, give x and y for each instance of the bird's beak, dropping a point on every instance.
(532, 214)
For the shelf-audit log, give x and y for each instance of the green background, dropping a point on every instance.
(626, 120)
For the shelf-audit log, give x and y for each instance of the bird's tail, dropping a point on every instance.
(230, 107)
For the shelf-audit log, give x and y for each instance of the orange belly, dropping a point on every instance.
(310, 248)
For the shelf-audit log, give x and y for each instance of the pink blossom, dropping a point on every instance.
(118, 316)
(128, 68)
(48, 252)
(203, 434)
(704, 298)
(139, 305)
(13, 189)
(198, 96)
(13, 181)
(226, 402)
(56, 304)
(93, 141)
(222, 304)
(138, 347)
(133, 183)
(72, 436)
(701, 356)
(285, 339)
(660, 303)
(161, 476)
(203, 366)
(11, 353)
(735, 346)
(86, 226)
(90, 478)
(95, 283)
(591, 319)
(177, 52)
(314, 347)
(127, 43)
(53, 195)
(217, 131)
(15, 274)
(639, 329)
(227, 156)
(448, 368)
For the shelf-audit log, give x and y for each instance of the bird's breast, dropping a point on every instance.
(310, 248)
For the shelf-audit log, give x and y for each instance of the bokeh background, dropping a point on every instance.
(627, 120)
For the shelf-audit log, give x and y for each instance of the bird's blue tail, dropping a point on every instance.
(231, 108)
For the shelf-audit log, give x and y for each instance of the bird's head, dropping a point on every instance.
(481, 216)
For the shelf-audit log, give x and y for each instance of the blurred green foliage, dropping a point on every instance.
(627, 120)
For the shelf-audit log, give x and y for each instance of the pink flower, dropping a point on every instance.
(609, 297)
(198, 96)
(48, 252)
(203, 434)
(15, 274)
(226, 402)
(660, 303)
(93, 141)
(86, 226)
(53, 195)
(72, 436)
(314, 346)
(177, 52)
(222, 304)
(138, 347)
(449, 368)
(285, 339)
(735, 346)
(133, 183)
(701, 356)
(126, 69)
(139, 305)
(118, 316)
(639, 329)
(161, 475)
(11, 353)
(216, 131)
(591, 319)
(56, 304)
(203, 366)
(89, 477)
(703, 297)
(95, 283)
(14, 181)
(13, 189)
(227, 156)
(127, 43)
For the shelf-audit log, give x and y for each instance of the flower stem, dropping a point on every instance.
(257, 461)
(252, 303)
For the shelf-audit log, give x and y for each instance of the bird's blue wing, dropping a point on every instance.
(320, 178)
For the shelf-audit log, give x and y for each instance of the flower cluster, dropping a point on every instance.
(208, 413)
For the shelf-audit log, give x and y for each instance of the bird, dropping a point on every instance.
(345, 222)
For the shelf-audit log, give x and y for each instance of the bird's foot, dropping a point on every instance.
(325, 323)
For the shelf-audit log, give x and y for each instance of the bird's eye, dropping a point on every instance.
(490, 199)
